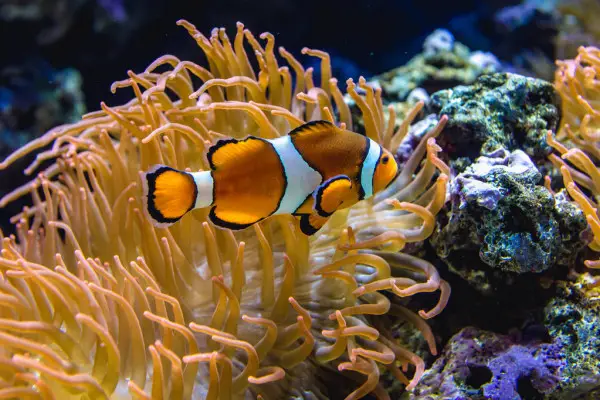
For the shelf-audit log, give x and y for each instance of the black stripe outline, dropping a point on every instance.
(361, 190)
(318, 194)
(375, 169)
(301, 128)
(213, 149)
(311, 124)
(305, 225)
(283, 173)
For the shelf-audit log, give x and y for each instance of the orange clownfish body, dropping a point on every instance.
(312, 172)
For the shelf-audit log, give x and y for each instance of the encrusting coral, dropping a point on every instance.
(578, 138)
(443, 64)
(497, 111)
(95, 302)
(478, 364)
(502, 215)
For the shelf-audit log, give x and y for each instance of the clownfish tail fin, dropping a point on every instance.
(170, 193)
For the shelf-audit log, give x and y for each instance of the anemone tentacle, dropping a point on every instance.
(95, 302)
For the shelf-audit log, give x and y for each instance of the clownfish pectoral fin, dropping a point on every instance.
(168, 194)
(331, 194)
(226, 150)
(311, 223)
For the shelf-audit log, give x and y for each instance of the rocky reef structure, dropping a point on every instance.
(498, 111)
(98, 303)
(513, 236)
(444, 63)
(521, 227)
(573, 319)
(477, 365)
(501, 213)
(553, 358)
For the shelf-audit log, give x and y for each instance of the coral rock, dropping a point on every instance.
(497, 111)
(500, 210)
(477, 364)
(443, 64)
(573, 318)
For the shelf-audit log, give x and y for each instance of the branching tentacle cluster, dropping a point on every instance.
(96, 302)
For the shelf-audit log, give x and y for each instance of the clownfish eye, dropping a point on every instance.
(385, 159)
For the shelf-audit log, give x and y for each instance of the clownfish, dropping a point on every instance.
(310, 173)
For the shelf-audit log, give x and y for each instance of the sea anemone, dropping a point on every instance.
(578, 139)
(95, 302)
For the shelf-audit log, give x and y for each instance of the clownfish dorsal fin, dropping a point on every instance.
(331, 194)
(225, 150)
(313, 127)
(311, 223)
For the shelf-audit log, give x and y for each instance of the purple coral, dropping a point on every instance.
(477, 364)
(540, 364)
(476, 183)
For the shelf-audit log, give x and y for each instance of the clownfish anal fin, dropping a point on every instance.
(312, 127)
(311, 223)
(226, 150)
(331, 194)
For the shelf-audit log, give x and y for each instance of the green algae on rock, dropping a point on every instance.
(444, 63)
(500, 210)
(573, 317)
(501, 110)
